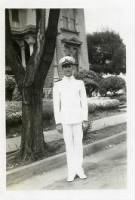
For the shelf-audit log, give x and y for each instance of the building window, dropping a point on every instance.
(65, 22)
(72, 24)
(69, 23)
(75, 54)
(71, 51)
(15, 15)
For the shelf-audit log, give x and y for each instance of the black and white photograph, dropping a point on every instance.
(68, 106)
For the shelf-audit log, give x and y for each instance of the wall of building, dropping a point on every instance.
(26, 18)
(84, 63)
(75, 37)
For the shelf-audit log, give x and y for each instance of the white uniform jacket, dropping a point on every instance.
(70, 101)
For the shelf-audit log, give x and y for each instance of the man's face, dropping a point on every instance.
(67, 70)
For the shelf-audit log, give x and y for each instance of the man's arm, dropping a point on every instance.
(59, 128)
(84, 102)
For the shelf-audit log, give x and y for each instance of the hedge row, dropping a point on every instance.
(14, 113)
(121, 98)
(102, 103)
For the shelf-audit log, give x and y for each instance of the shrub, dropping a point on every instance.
(91, 106)
(13, 106)
(111, 84)
(122, 98)
(13, 118)
(90, 79)
(10, 82)
(14, 111)
(104, 103)
(10, 85)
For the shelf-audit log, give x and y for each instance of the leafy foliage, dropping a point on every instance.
(10, 82)
(106, 52)
(10, 85)
(111, 84)
(13, 112)
(103, 103)
(91, 80)
(119, 60)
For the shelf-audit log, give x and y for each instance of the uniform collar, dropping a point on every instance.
(65, 78)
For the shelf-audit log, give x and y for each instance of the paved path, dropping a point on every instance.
(13, 144)
(105, 170)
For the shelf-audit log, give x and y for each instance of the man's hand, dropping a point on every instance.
(59, 128)
(85, 125)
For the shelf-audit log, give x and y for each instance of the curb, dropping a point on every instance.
(20, 174)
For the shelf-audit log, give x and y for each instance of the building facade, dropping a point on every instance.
(71, 39)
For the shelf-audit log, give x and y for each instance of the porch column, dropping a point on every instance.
(31, 48)
(56, 75)
(23, 54)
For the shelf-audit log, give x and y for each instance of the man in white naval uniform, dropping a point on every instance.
(71, 116)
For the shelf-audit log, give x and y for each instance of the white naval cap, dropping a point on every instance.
(67, 60)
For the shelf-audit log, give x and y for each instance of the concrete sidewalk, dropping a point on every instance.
(22, 173)
(106, 161)
(12, 144)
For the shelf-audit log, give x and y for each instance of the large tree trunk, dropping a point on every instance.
(32, 142)
(33, 146)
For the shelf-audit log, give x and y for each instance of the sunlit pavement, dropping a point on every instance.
(105, 170)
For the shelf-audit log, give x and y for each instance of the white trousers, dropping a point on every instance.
(73, 136)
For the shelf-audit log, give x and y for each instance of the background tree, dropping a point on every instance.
(30, 81)
(118, 62)
(106, 52)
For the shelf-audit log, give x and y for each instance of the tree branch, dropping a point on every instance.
(33, 64)
(49, 47)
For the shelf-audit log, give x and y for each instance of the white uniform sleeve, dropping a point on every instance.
(56, 104)
(84, 102)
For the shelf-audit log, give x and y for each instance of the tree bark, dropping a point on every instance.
(32, 142)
